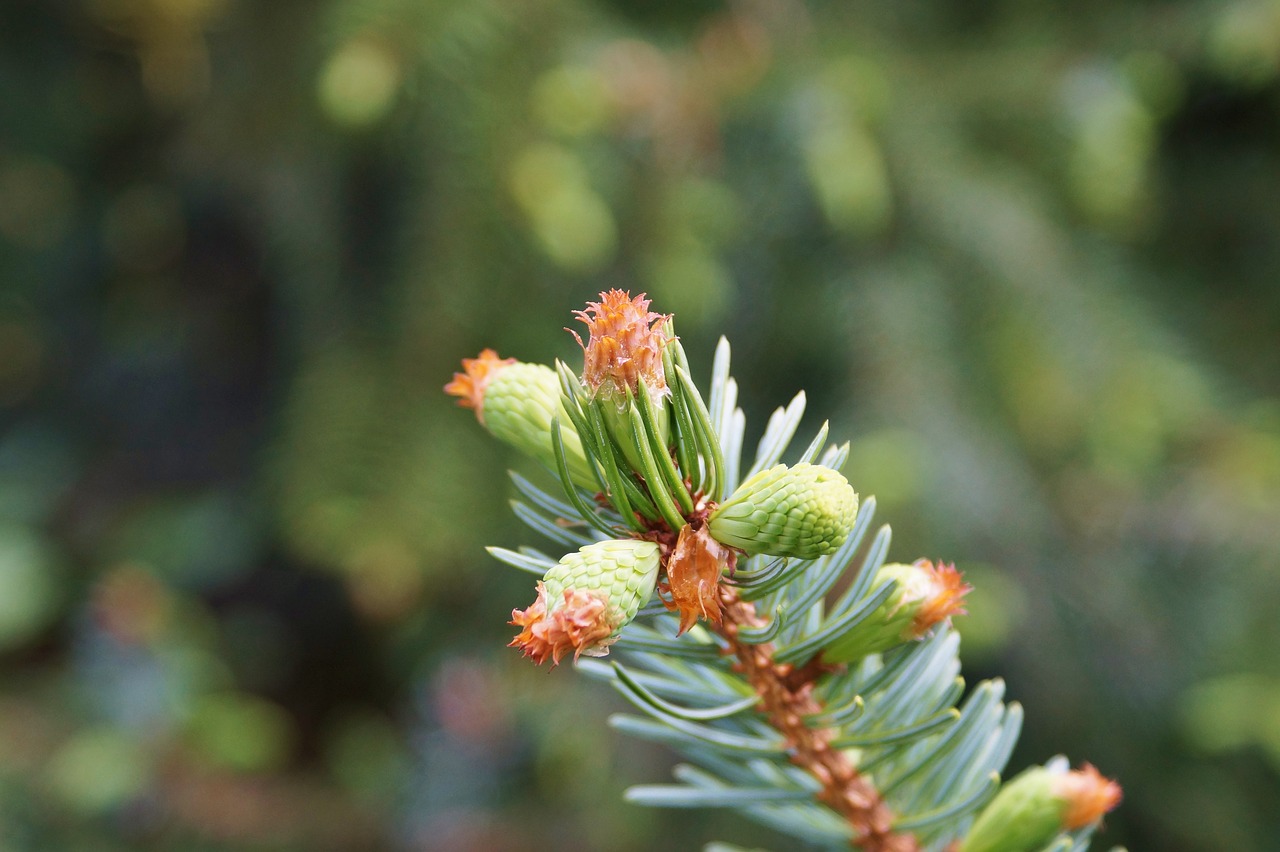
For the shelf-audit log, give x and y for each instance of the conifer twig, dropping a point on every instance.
(787, 701)
(858, 690)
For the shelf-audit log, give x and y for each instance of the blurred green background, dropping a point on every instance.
(1024, 255)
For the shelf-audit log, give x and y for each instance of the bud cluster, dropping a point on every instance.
(632, 432)
(632, 441)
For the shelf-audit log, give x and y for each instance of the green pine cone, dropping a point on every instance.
(805, 511)
(520, 401)
(624, 570)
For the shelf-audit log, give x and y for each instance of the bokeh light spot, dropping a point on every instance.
(98, 769)
(571, 101)
(29, 585)
(37, 202)
(359, 83)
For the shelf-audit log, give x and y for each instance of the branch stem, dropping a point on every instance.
(786, 694)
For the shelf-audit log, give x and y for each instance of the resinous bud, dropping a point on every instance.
(804, 511)
(586, 599)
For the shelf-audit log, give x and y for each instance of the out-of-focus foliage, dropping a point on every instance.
(1029, 250)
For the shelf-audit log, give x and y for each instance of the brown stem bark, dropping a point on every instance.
(786, 695)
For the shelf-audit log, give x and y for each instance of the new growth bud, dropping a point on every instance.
(925, 594)
(622, 353)
(586, 599)
(1038, 804)
(805, 511)
(625, 345)
(516, 402)
(1087, 794)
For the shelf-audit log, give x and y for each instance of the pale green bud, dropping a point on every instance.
(1024, 815)
(1038, 804)
(804, 511)
(586, 599)
(924, 595)
(625, 570)
(516, 402)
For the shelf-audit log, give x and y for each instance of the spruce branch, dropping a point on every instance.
(840, 719)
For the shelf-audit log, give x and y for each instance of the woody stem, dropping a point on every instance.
(787, 698)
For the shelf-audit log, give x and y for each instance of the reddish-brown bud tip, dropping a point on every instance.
(469, 385)
(693, 575)
(625, 344)
(579, 624)
(945, 597)
(1088, 796)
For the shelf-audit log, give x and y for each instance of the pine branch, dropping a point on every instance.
(830, 718)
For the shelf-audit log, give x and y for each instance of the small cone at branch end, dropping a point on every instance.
(586, 599)
(804, 511)
(517, 402)
(925, 594)
(1038, 804)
